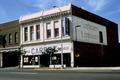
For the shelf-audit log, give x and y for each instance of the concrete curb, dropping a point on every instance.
(83, 68)
(98, 68)
(68, 69)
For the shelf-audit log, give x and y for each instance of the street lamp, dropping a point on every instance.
(62, 66)
(43, 35)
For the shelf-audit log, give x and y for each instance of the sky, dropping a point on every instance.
(13, 9)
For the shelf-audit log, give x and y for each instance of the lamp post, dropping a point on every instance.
(43, 35)
(61, 38)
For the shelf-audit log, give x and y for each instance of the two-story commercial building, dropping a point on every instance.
(81, 38)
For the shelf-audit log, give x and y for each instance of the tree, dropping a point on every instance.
(50, 51)
(2, 40)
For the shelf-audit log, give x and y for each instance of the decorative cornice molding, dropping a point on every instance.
(47, 17)
(45, 14)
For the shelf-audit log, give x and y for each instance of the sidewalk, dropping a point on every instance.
(83, 69)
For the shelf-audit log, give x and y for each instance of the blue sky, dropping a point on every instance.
(13, 9)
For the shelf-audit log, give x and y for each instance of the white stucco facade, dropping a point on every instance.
(52, 33)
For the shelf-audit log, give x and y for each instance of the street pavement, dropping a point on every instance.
(59, 74)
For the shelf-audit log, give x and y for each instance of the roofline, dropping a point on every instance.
(9, 21)
(44, 13)
(92, 14)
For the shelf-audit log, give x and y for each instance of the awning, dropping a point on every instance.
(10, 49)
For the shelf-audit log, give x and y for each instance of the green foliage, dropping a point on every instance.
(50, 50)
(2, 40)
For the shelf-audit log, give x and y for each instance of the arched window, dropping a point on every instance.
(16, 37)
(10, 38)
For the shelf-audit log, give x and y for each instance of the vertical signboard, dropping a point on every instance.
(66, 26)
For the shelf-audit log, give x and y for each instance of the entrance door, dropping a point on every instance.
(10, 59)
(66, 59)
(44, 60)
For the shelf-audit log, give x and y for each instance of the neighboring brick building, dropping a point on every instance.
(10, 44)
(104, 54)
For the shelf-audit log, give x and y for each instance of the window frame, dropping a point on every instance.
(56, 32)
(16, 37)
(38, 31)
(48, 33)
(10, 38)
(48, 30)
(25, 34)
(56, 28)
(31, 32)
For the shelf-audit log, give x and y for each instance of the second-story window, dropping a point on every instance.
(16, 37)
(10, 38)
(37, 32)
(48, 26)
(31, 32)
(56, 32)
(25, 34)
(48, 33)
(56, 29)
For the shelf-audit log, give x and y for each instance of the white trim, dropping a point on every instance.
(1, 60)
(52, 29)
(7, 49)
(46, 40)
(60, 27)
(35, 31)
(10, 47)
(72, 55)
(28, 32)
(30, 66)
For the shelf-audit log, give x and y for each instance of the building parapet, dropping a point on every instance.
(46, 13)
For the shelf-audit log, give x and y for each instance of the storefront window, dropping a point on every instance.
(30, 60)
(25, 59)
